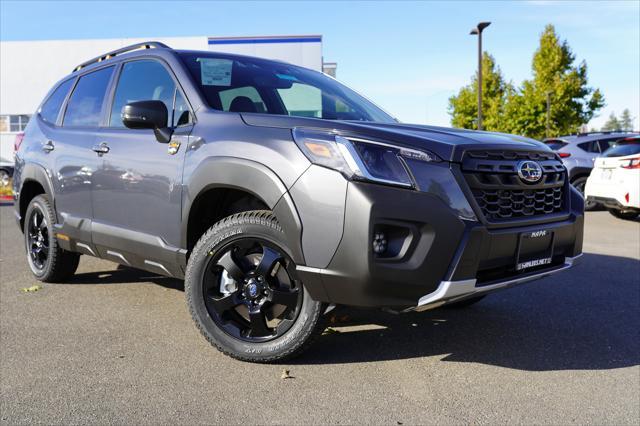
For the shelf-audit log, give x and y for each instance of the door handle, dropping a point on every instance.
(102, 148)
(48, 146)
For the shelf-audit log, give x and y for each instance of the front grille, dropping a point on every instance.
(504, 204)
(493, 179)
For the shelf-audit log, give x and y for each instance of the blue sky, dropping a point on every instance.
(408, 57)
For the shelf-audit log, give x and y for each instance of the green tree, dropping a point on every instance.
(463, 107)
(612, 123)
(559, 82)
(626, 120)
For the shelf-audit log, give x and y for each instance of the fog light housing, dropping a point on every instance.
(379, 243)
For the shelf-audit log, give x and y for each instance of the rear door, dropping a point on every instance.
(74, 162)
(138, 188)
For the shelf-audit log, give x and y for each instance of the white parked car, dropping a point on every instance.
(615, 179)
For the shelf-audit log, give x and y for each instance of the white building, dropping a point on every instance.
(28, 69)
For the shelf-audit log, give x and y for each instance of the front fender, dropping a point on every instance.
(249, 176)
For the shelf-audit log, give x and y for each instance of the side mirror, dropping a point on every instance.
(148, 115)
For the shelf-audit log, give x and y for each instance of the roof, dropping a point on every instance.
(592, 136)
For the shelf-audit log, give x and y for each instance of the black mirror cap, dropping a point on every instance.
(145, 115)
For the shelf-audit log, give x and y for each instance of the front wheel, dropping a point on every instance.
(243, 293)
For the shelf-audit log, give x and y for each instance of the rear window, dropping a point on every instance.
(623, 149)
(50, 109)
(85, 105)
(555, 144)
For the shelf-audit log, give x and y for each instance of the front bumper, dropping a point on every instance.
(436, 256)
(454, 291)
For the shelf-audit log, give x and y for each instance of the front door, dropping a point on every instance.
(138, 189)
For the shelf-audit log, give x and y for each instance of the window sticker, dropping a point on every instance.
(215, 71)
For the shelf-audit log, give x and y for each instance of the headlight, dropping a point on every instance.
(360, 159)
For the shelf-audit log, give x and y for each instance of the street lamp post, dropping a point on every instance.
(478, 31)
(548, 113)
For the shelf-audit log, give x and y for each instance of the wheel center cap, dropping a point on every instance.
(252, 289)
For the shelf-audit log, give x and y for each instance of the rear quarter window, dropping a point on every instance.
(51, 107)
(591, 147)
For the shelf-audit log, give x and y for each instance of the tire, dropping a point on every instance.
(47, 260)
(5, 178)
(237, 274)
(624, 214)
(579, 184)
(464, 303)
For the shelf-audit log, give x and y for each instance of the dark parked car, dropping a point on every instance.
(276, 193)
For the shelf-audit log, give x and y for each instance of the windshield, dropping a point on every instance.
(235, 84)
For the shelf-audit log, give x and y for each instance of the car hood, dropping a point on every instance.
(448, 143)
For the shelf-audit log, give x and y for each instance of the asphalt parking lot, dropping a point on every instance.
(117, 345)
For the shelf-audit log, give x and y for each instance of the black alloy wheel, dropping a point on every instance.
(47, 260)
(38, 244)
(244, 294)
(249, 291)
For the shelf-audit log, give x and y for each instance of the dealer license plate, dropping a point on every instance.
(534, 249)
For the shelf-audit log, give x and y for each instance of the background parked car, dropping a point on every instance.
(615, 179)
(578, 153)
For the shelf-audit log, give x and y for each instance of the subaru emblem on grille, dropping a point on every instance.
(529, 171)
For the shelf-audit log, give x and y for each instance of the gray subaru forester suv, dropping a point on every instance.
(276, 193)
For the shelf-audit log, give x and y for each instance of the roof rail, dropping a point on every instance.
(604, 132)
(131, 48)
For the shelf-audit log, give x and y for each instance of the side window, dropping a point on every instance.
(50, 109)
(181, 114)
(143, 80)
(239, 98)
(302, 100)
(606, 144)
(85, 105)
(591, 147)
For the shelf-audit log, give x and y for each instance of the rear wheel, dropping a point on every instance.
(243, 293)
(624, 214)
(48, 261)
(579, 184)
